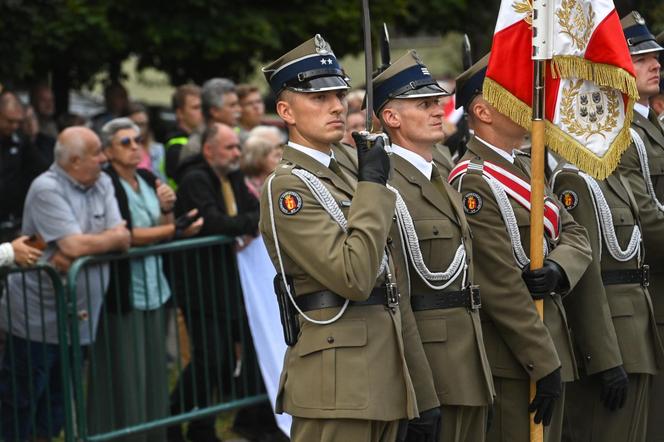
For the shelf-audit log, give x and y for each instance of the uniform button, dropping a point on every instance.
(435, 230)
(588, 358)
(530, 366)
(622, 219)
(389, 240)
(330, 339)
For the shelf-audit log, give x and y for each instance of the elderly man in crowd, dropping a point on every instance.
(72, 207)
(213, 184)
(220, 104)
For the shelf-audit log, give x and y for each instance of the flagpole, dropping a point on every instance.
(542, 51)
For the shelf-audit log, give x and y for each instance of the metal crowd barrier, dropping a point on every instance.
(32, 354)
(129, 382)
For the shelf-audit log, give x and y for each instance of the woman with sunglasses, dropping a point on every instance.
(130, 384)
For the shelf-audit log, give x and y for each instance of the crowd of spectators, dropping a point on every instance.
(72, 186)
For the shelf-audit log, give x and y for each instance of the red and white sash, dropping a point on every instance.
(518, 189)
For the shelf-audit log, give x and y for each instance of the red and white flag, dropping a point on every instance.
(590, 85)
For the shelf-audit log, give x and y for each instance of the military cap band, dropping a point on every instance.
(407, 77)
(306, 70)
(639, 38)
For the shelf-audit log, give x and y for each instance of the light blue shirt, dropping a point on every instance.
(149, 287)
(58, 206)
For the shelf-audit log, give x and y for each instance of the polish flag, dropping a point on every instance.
(590, 85)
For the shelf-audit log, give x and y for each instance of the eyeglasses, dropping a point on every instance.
(126, 141)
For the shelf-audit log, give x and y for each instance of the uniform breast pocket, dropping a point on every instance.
(623, 223)
(434, 237)
(331, 370)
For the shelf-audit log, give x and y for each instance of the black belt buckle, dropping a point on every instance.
(645, 275)
(475, 299)
(392, 294)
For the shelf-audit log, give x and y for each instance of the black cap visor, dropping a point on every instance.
(320, 84)
(645, 47)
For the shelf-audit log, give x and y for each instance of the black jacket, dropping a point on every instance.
(118, 299)
(207, 276)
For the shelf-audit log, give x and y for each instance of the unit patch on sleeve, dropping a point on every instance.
(290, 202)
(472, 203)
(569, 198)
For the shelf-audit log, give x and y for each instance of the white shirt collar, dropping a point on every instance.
(317, 155)
(502, 153)
(642, 109)
(424, 166)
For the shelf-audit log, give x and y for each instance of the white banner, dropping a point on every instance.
(256, 274)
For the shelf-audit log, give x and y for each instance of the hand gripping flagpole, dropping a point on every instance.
(542, 51)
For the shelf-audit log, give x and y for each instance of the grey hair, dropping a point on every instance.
(254, 152)
(212, 94)
(113, 126)
(265, 131)
(64, 152)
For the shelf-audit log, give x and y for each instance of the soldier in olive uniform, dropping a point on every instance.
(433, 230)
(610, 313)
(643, 166)
(346, 377)
(520, 346)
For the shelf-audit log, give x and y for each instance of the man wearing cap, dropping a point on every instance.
(437, 250)
(346, 377)
(643, 166)
(520, 346)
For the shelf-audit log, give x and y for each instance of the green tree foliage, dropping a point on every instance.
(72, 40)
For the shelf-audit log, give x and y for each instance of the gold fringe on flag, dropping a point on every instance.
(559, 141)
(569, 66)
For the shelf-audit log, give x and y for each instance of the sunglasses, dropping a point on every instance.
(126, 141)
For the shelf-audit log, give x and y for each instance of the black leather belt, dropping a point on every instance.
(384, 295)
(468, 297)
(640, 276)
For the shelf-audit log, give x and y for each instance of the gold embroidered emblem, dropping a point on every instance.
(524, 7)
(592, 111)
(576, 22)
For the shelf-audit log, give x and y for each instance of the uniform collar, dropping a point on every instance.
(501, 152)
(424, 166)
(317, 155)
(642, 109)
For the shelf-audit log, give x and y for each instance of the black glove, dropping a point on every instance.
(425, 428)
(543, 281)
(548, 391)
(181, 224)
(614, 387)
(373, 162)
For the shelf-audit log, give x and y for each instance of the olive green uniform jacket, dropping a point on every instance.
(519, 345)
(418, 366)
(652, 228)
(452, 337)
(354, 367)
(611, 324)
(622, 329)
